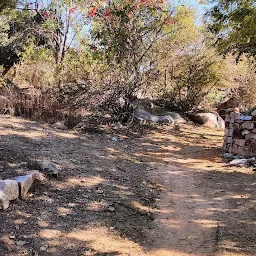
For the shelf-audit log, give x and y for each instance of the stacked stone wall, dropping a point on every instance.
(240, 134)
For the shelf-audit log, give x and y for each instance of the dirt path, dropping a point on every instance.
(205, 207)
(183, 228)
(151, 193)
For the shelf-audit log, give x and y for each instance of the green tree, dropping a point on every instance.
(234, 24)
(127, 32)
(188, 67)
(4, 4)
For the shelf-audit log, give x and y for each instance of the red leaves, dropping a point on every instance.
(173, 22)
(73, 9)
(108, 12)
(129, 14)
(137, 5)
(46, 14)
(168, 21)
(93, 47)
(92, 12)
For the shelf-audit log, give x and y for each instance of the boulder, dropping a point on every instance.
(253, 112)
(144, 116)
(36, 175)
(177, 118)
(209, 120)
(228, 155)
(241, 162)
(49, 168)
(25, 183)
(10, 188)
(4, 200)
(165, 119)
(60, 126)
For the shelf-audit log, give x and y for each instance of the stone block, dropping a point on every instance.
(224, 141)
(229, 140)
(245, 118)
(248, 154)
(49, 168)
(238, 121)
(253, 113)
(230, 132)
(234, 149)
(245, 132)
(233, 117)
(4, 200)
(227, 119)
(10, 188)
(236, 126)
(226, 147)
(36, 175)
(248, 125)
(250, 136)
(239, 142)
(25, 183)
(245, 152)
(240, 151)
(253, 146)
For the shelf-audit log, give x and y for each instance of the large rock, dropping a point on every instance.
(36, 175)
(49, 168)
(25, 183)
(144, 116)
(177, 118)
(4, 200)
(60, 126)
(10, 188)
(209, 120)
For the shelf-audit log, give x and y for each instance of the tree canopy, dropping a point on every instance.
(7, 4)
(124, 49)
(234, 24)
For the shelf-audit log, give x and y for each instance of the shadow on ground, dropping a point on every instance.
(109, 193)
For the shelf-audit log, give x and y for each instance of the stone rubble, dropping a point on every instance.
(25, 183)
(10, 188)
(49, 168)
(240, 134)
(241, 162)
(18, 187)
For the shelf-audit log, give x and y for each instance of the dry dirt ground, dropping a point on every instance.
(153, 192)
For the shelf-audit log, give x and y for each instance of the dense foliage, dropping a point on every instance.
(234, 23)
(80, 57)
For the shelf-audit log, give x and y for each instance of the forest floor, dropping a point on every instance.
(162, 191)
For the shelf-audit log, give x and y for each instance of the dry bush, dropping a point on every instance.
(37, 74)
(32, 103)
(188, 79)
